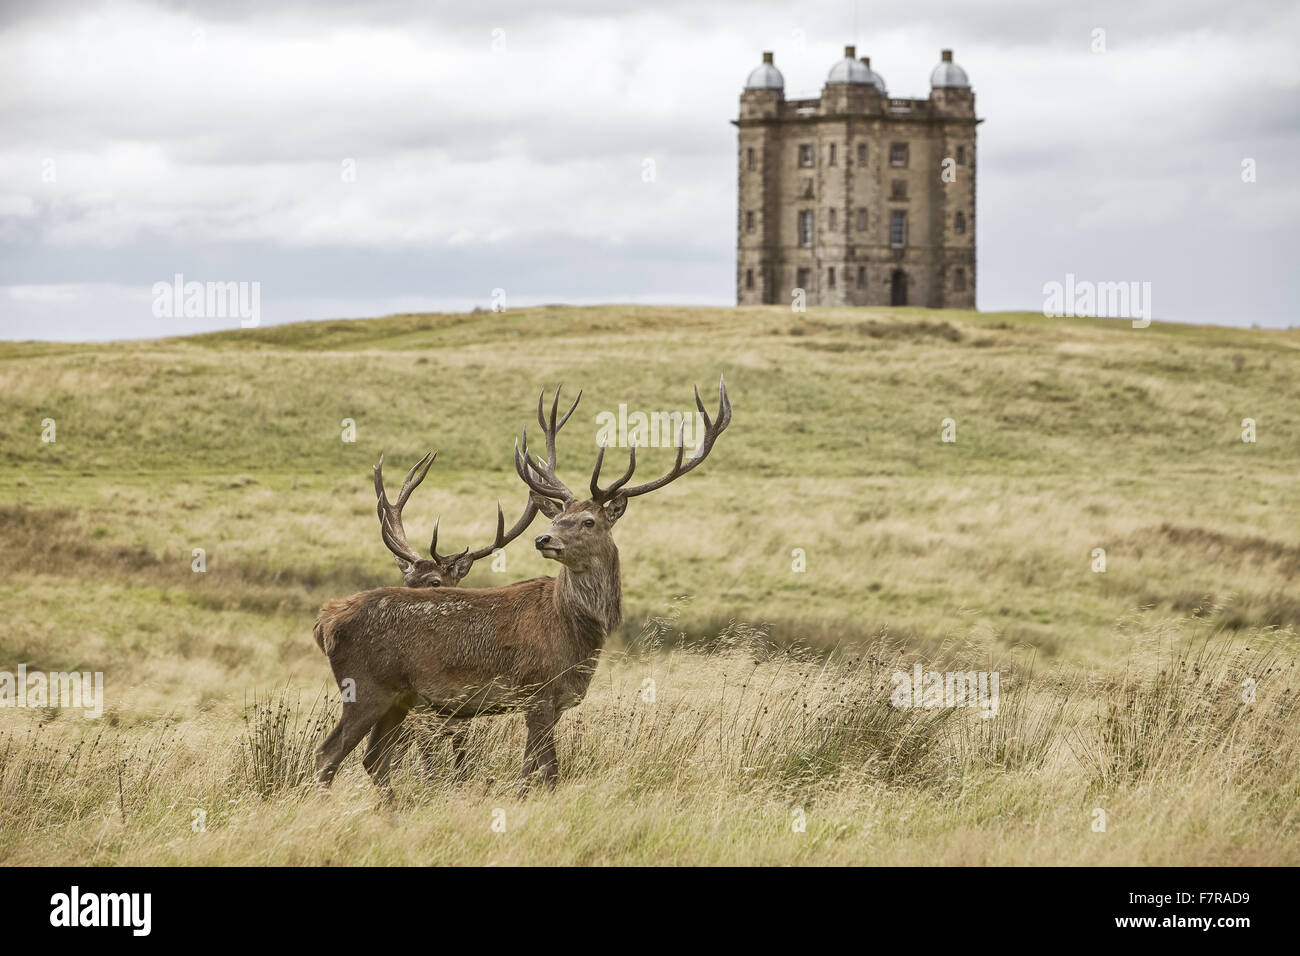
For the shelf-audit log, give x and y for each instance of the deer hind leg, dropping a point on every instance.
(386, 739)
(539, 749)
(358, 717)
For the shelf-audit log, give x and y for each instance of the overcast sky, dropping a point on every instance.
(502, 146)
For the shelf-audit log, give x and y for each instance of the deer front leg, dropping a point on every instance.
(539, 749)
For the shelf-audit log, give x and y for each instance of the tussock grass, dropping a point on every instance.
(1201, 712)
(280, 741)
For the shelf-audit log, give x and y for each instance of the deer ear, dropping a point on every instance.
(462, 566)
(406, 567)
(614, 509)
(546, 506)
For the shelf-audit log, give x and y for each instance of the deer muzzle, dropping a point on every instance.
(549, 545)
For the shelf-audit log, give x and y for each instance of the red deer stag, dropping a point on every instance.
(530, 646)
(439, 571)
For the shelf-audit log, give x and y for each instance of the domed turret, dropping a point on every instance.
(849, 70)
(948, 73)
(765, 76)
(877, 80)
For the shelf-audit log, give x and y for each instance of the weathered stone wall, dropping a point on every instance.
(851, 202)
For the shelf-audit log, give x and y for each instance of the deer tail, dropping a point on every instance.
(334, 615)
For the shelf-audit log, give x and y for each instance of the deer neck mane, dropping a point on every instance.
(590, 602)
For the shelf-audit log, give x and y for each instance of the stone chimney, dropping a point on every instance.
(947, 56)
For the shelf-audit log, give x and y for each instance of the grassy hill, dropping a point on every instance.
(1071, 435)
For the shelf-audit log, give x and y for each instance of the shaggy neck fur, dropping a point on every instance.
(592, 600)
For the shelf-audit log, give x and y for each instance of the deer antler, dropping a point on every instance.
(504, 537)
(390, 515)
(442, 559)
(712, 429)
(539, 474)
(394, 535)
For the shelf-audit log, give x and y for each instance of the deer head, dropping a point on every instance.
(441, 570)
(580, 535)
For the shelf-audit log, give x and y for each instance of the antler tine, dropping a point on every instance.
(546, 483)
(390, 514)
(499, 540)
(409, 485)
(525, 467)
(551, 429)
(433, 547)
(555, 407)
(396, 542)
(712, 429)
(601, 495)
(504, 537)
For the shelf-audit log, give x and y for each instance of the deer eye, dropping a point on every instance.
(589, 523)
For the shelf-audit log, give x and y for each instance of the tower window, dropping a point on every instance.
(808, 188)
(806, 155)
(831, 219)
(830, 277)
(862, 154)
(959, 279)
(959, 223)
(749, 278)
(961, 155)
(749, 221)
(898, 154)
(830, 158)
(897, 228)
(898, 189)
(862, 277)
(801, 278)
(805, 227)
(749, 158)
(862, 220)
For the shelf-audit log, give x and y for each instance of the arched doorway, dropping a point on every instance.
(898, 288)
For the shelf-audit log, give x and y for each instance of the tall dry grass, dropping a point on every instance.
(733, 730)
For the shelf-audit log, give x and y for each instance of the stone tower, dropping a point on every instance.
(857, 197)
